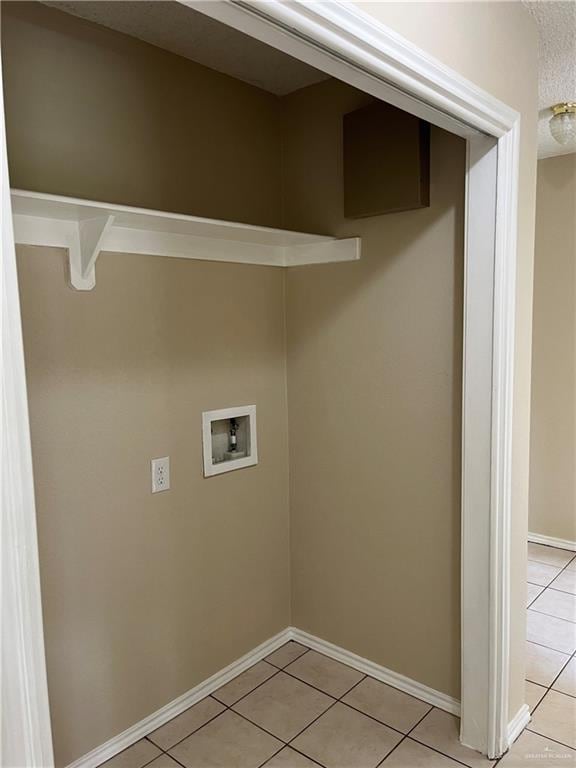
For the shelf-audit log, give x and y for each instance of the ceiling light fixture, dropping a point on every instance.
(563, 122)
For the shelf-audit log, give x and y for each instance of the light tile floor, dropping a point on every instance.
(300, 709)
(550, 738)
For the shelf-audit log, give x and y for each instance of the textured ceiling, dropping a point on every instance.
(191, 34)
(556, 23)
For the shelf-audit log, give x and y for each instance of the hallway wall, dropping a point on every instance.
(553, 433)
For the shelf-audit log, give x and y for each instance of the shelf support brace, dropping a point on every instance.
(84, 250)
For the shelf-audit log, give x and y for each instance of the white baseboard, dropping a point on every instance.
(160, 717)
(405, 684)
(518, 723)
(164, 714)
(550, 541)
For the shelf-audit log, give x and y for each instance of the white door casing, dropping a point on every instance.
(26, 740)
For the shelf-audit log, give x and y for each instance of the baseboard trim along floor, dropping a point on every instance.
(550, 541)
(518, 723)
(164, 714)
(405, 684)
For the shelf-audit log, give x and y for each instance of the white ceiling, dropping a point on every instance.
(556, 22)
(191, 34)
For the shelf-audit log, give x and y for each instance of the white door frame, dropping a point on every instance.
(337, 38)
(26, 737)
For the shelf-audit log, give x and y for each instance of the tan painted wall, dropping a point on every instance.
(553, 434)
(145, 596)
(374, 392)
(142, 126)
(495, 46)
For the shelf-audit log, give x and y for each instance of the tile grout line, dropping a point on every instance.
(571, 656)
(403, 739)
(166, 751)
(548, 586)
(304, 652)
(551, 688)
(423, 744)
(537, 596)
(550, 615)
(549, 647)
(143, 765)
(336, 701)
(560, 572)
(289, 743)
(274, 674)
(561, 743)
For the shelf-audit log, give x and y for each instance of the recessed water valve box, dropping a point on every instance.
(229, 439)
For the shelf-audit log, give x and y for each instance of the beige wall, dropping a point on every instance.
(374, 384)
(553, 434)
(145, 596)
(495, 46)
(96, 114)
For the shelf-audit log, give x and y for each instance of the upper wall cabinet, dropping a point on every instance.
(386, 161)
(87, 228)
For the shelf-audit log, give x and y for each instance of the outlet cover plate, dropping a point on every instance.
(160, 469)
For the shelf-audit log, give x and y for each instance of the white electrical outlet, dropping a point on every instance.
(161, 474)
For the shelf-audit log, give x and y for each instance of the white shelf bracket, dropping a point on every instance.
(84, 250)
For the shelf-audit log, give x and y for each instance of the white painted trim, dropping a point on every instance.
(480, 237)
(394, 679)
(551, 541)
(91, 238)
(210, 468)
(26, 735)
(164, 714)
(340, 39)
(86, 228)
(177, 706)
(504, 322)
(518, 723)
